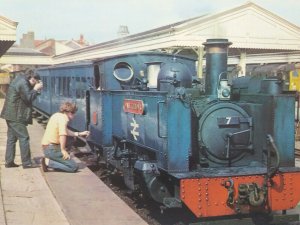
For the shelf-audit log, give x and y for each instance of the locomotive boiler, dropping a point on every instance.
(221, 147)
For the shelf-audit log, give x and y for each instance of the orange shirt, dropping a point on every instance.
(57, 126)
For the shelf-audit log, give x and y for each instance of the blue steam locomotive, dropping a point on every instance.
(223, 148)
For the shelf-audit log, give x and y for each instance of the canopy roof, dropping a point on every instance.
(7, 34)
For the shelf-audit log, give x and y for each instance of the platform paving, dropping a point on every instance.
(32, 197)
(25, 196)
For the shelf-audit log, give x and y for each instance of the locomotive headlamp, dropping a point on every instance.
(224, 90)
(225, 93)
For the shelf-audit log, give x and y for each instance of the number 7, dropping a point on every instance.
(228, 120)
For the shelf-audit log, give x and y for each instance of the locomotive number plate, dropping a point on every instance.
(228, 121)
(133, 106)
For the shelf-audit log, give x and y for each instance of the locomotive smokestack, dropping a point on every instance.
(216, 64)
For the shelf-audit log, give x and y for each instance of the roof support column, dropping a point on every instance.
(200, 54)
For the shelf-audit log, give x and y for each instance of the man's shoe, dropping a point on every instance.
(44, 166)
(11, 165)
(29, 166)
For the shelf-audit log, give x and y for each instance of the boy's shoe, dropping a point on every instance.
(11, 165)
(44, 166)
(30, 166)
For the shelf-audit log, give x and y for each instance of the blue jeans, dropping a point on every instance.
(56, 160)
(17, 131)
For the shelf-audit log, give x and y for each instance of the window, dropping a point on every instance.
(68, 84)
(78, 87)
(45, 84)
(123, 71)
(152, 71)
(84, 86)
(60, 86)
(65, 87)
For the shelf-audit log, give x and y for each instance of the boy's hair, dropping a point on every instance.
(66, 107)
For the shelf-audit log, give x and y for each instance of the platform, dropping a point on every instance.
(32, 197)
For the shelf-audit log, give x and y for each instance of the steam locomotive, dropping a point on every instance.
(225, 147)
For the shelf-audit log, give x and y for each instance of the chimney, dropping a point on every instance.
(27, 41)
(123, 31)
(81, 39)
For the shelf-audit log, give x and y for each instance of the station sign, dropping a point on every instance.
(133, 106)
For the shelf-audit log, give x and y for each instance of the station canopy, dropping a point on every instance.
(7, 34)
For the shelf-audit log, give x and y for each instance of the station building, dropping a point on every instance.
(258, 36)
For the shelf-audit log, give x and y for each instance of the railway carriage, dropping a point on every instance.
(68, 82)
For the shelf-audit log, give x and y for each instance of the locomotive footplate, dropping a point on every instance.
(230, 171)
(263, 220)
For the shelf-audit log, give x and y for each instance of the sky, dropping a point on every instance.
(99, 20)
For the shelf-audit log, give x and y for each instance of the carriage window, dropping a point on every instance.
(68, 84)
(89, 82)
(65, 87)
(84, 86)
(123, 71)
(71, 91)
(152, 72)
(56, 87)
(61, 86)
(78, 87)
(52, 85)
(45, 84)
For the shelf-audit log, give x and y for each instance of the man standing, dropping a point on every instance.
(55, 139)
(17, 112)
